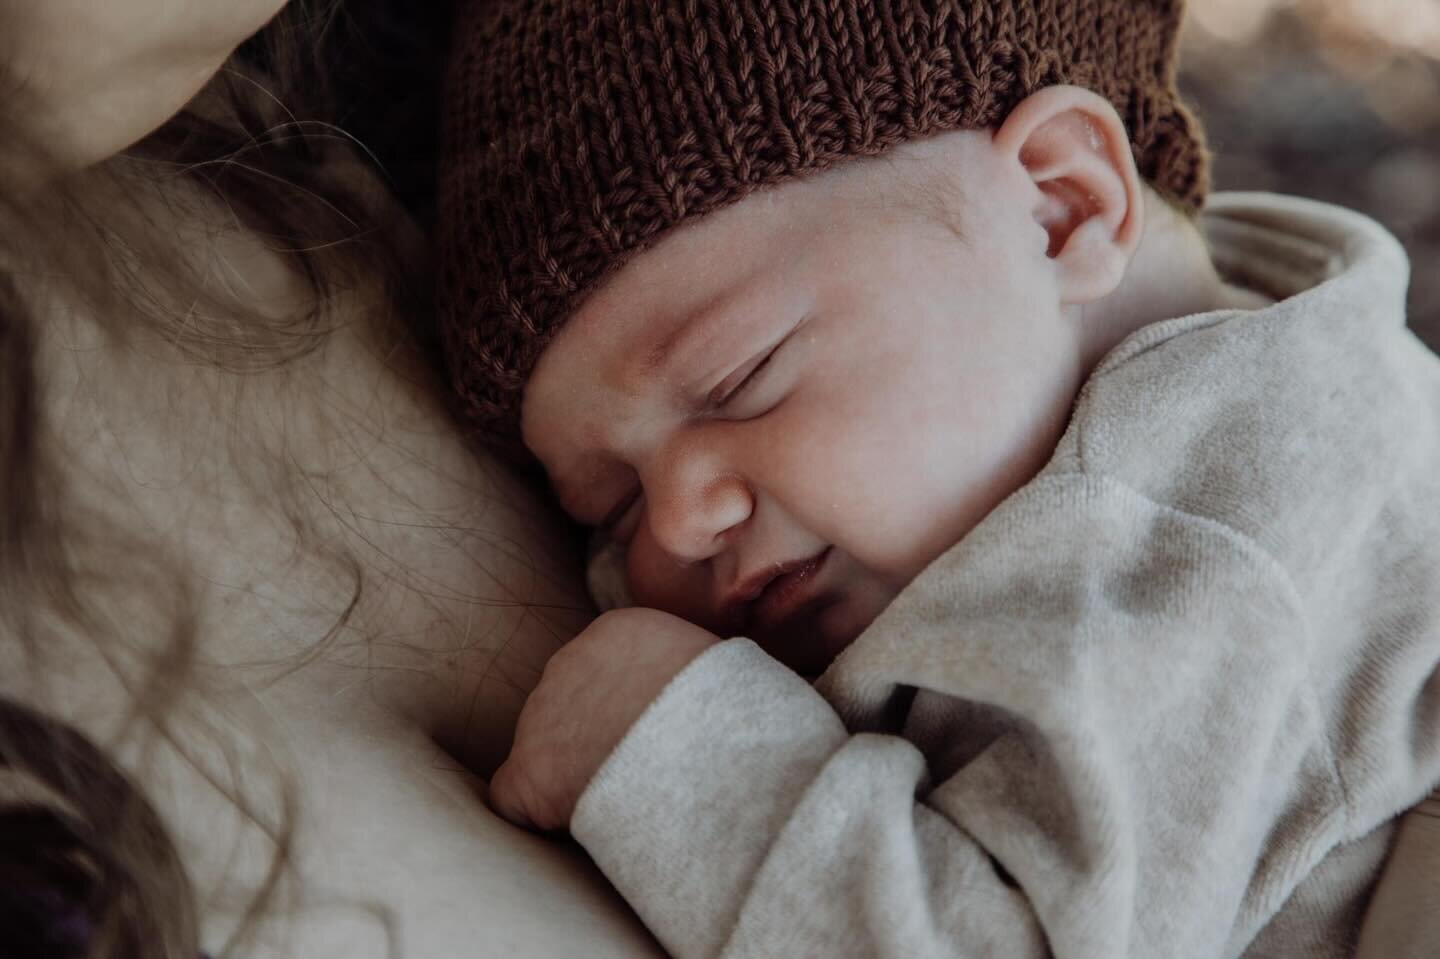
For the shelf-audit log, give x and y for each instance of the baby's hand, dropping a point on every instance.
(590, 694)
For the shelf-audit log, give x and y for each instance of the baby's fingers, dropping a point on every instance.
(506, 795)
(516, 798)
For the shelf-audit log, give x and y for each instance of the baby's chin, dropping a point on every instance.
(809, 641)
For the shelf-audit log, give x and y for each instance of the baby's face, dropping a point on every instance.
(825, 375)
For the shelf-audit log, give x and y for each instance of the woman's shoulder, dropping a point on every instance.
(373, 598)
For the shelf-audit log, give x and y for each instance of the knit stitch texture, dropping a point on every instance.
(578, 131)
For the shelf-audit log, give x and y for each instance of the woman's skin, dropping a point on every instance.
(86, 79)
(467, 584)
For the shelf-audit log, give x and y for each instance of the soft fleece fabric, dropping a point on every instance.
(1164, 701)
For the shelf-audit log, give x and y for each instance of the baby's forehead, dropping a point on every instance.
(897, 187)
(755, 238)
(707, 290)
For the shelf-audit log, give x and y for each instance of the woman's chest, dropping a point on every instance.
(342, 544)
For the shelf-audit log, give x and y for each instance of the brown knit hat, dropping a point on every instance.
(579, 131)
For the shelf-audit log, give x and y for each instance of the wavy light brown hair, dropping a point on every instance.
(87, 868)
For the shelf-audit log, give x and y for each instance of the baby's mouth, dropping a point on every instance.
(786, 595)
(784, 618)
(798, 624)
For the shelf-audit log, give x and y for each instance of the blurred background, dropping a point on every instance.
(1333, 99)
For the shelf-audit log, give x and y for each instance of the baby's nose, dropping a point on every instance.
(693, 521)
(694, 496)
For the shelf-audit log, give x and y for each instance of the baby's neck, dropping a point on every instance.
(1170, 275)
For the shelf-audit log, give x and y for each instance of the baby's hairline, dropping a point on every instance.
(940, 204)
(929, 197)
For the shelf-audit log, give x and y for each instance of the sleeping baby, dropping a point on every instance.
(1023, 553)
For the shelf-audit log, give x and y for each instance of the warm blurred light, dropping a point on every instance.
(1405, 24)
(1235, 21)
(1405, 92)
(1393, 25)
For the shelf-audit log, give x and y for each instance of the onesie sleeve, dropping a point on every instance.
(740, 818)
(1098, 741)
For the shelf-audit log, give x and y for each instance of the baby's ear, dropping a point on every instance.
(1075, 149)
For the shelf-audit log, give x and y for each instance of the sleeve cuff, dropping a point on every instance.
(684, 811)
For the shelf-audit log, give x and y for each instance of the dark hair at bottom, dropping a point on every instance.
(87, 868)
(74, 877)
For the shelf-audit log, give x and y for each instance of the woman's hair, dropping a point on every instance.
(86, 867)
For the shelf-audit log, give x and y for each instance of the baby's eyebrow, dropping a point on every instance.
(653, 360)
(695, 334)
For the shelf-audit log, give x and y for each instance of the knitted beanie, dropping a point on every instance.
(578, 131)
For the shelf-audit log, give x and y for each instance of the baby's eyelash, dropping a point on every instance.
(717, 403)
(616, 515)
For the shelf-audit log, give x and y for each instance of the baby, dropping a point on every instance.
(888, 343)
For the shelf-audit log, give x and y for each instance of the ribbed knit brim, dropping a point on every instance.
(578, 131)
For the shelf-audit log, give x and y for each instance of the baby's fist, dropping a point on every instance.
(589, 696)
